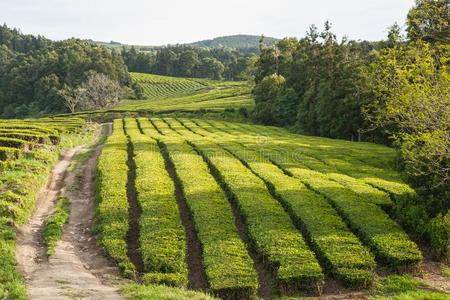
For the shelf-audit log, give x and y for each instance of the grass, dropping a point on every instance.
(161, 292)
(445, 271)
(54, 225)
(405, 287)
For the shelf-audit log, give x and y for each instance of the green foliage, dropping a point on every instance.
(265, 92)
(375, 228)
(54, 225)
(35, 69)
(161, 292)
(156, 86)
(216, 96)
(7, 153)
(322, 93)
(188, 61)
(162, 237)
(429, 21)
(269, 227)
(394, 92)
(411, 86)
(240, 42)
(112, 209)
(339, 250)
(11, 142)
(228, 267)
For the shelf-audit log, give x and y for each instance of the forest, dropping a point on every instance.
(189, 61)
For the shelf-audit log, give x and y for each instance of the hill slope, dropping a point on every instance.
(239, 41)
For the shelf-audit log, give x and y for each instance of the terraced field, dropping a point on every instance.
(28, 151)
(157, 86)
(212, 95)
(242, 210)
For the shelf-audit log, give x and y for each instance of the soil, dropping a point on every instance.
(78, 269)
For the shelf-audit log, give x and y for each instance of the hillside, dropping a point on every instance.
(174, 94)
(314, 167)
(239, 41)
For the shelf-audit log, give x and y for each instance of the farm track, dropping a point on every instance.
(79, 268)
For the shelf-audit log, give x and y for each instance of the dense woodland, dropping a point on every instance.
(35, 71)
(189, 61)
(396, 92)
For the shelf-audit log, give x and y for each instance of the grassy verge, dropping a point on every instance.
(161, 292)
(405, 287)
(53, 227)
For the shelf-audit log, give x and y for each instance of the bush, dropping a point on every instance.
(228, 267)
(162, 238)
(112, 208)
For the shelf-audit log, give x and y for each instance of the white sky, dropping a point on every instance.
(157, 22)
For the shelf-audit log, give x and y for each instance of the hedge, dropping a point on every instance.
(162, 237)
(112, 210)
(228, 266)
(338, 248)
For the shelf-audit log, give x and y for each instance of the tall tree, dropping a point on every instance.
(429, 21)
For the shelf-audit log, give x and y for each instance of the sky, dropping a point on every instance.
(160, 22)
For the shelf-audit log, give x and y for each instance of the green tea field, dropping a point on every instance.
(165, 94)
(156, 86)
(165, 150)
(263, 203)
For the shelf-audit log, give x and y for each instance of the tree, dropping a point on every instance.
(394, 35)
(33, 70)
(429, 21)
(100, 91)
(412, 89)
(266, 93)
(73, 98)
(187, 63)
(211, 68)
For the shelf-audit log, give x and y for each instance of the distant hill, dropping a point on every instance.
(239, 41)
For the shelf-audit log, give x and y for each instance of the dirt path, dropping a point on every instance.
(78, 270)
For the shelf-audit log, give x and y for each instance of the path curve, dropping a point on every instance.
(78, 269)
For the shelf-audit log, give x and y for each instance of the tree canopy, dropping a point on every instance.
(33, 70)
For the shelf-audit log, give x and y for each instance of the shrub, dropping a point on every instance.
(228, 267)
